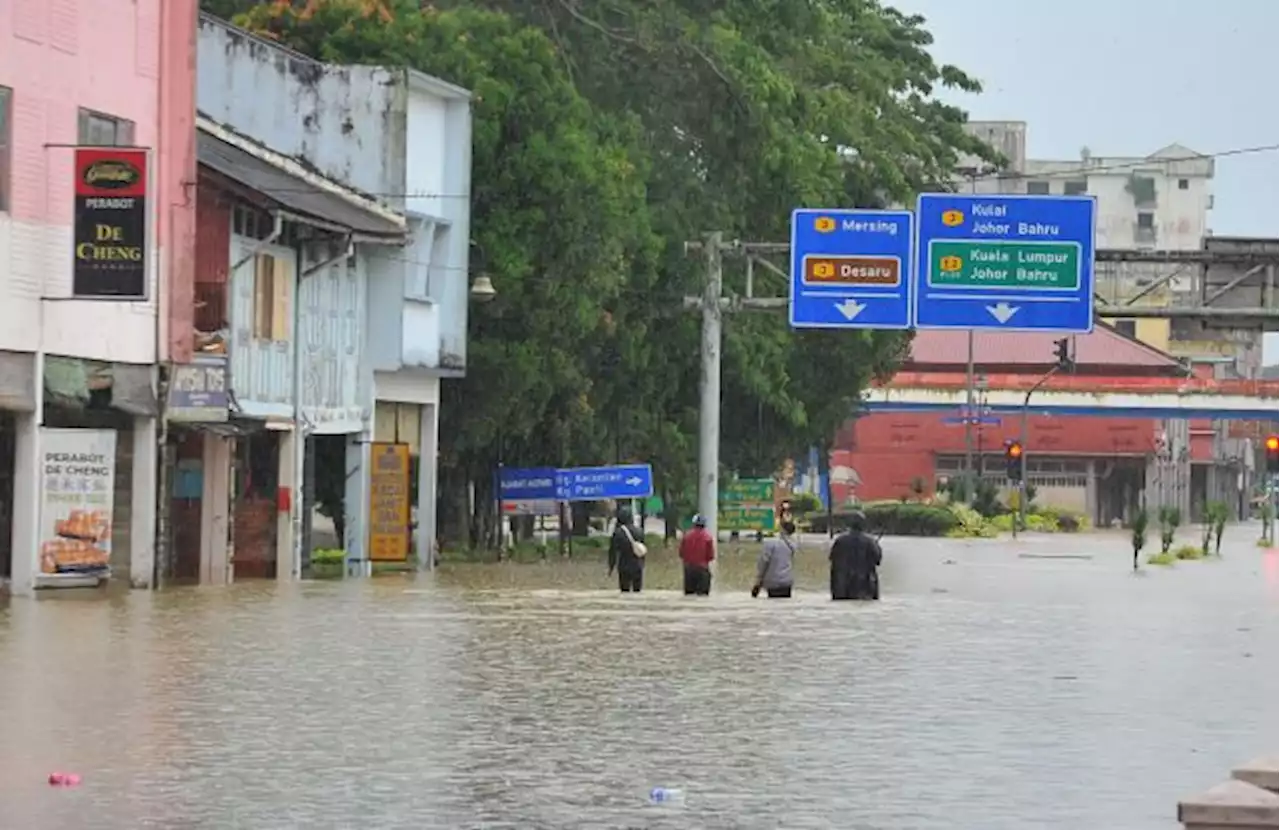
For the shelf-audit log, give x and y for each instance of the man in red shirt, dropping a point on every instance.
(697, 549)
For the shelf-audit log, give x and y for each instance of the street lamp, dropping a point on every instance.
(482, 290)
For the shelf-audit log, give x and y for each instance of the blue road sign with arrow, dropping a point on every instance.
(851, 269)
(626, 481)
(1004, 263)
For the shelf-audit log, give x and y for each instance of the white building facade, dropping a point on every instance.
(403, 139)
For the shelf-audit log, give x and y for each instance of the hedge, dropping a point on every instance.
(896, 519)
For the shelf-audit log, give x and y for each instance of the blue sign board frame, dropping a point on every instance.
(964, 217)
(850, 234)
(624, 481)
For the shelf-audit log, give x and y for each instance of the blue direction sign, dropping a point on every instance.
(628, 481)
(527, 484)
(851, 269)
(1004, 263)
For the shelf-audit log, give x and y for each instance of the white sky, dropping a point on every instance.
(1127, 77)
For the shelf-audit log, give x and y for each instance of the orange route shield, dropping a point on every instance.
(852, 270)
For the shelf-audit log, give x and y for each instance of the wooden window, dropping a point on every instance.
(272, 292)
(6, 141)
(95, 129)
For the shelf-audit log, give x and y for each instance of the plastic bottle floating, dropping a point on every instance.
(666, 795)
(63, 779)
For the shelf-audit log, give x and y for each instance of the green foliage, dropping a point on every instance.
(1170, 519)
(607, 133)
(896, 519)
(986, 499)
(969, 523)
(1215, 516)
(802, 504)
(1139, 537)
(1162, 558)
(1185, 552)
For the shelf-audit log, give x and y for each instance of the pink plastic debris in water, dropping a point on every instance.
(63, 779)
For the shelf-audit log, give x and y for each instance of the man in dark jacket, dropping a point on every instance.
(855, 557)
(622, 553)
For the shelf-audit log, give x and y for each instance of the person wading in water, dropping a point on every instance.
(627, 553)
(855, 557)
(774, 568)
(697, 550)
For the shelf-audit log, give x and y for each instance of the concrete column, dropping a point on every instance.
(1091, 490)
(142, 520)
(26, 503)
(286, 562)
(428, 472)
(1232, 805)
(215, 511)
(355, 505)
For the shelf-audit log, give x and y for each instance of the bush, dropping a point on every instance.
(896, 519)
(1161, 559)
(328, 556)
(970, 523)
(1189, 552)
(802, 504)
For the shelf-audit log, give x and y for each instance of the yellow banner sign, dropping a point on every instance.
(389, 529)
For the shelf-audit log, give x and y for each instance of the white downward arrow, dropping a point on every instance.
(1003, 311)
(634, 481)
(850, 308)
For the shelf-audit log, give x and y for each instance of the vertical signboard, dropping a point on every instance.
(110, 233)
(389, 503)
(77, 486)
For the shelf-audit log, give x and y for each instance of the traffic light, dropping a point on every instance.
(1273, 454)
(1062, 351)
(1013, 460)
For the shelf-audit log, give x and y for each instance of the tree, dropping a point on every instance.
(609, 132)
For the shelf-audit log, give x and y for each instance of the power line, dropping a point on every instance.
(990, 176)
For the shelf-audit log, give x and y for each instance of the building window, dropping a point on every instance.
(6, 141)
(1146, 221)
(1075, 188)
(1144, 230)
(1037, 188)
(1143, 189)
(99, 130)
(1129, 328)
(272, 290)
(1183, 184)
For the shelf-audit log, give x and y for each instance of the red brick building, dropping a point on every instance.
(1094, 463)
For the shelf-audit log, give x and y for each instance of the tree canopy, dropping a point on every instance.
(607, 134)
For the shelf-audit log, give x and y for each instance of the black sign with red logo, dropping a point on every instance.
(110, 243)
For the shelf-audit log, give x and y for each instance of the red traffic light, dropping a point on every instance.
(1013, 450)
(1273, 443)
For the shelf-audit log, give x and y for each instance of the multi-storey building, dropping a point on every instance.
(97, 170)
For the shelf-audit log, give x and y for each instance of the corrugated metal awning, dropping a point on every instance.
(302, 199)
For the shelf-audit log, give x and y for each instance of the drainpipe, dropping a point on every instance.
(301, 516)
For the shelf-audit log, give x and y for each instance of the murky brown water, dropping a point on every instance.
(994, 692)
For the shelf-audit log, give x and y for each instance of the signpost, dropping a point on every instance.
(627, 481)
(1004, 263)
(851, 269)
(747, 504)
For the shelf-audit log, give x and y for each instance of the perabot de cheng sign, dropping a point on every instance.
(110, 244)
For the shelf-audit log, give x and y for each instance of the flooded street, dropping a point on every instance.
(989, 690)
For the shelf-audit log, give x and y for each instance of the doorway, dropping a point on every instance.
(8, 450)
(254, 507)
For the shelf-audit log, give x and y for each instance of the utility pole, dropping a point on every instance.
(709, 411)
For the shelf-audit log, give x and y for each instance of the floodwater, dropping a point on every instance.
(994, 687)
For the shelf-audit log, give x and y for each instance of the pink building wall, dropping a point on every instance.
(132, 59)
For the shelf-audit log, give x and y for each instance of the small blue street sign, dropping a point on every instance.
(528, 484)
(1004, 263)
(851, 269)
(628, 481)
